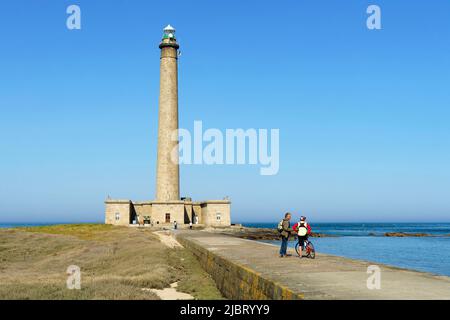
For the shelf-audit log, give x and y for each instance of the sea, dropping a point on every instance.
(366, 241)
(40, 224)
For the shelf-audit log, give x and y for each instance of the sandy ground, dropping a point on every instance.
(167, 239)
(171, 293)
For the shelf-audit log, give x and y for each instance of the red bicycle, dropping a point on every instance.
(309, 249)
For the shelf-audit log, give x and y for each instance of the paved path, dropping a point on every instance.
(327, 276)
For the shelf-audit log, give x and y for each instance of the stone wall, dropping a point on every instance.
(216, 213)
(236, 282)
(188, 212)
(197, 211)
(118, 212)
(141, 210)
(174, 208)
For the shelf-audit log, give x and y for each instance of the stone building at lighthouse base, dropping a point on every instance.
(214, 213)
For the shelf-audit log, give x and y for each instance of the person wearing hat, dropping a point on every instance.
(303, 231)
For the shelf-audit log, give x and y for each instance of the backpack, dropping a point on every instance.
(280, 226)
(302, 230)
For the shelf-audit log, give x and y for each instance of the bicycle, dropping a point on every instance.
(309, 249)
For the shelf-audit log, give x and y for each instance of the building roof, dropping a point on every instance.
(169, 28)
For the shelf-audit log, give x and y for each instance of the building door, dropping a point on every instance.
(167, 217)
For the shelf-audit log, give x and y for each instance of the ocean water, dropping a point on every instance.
(15, 225)
(368, 229)
(21, 224)
(366, 241)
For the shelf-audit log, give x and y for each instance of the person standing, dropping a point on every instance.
(284, 227)
(175, 225)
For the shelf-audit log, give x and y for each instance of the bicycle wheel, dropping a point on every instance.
(312, 251)
(296, 248)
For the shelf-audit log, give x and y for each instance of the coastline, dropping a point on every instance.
(397, 251)
(329, 276)
(410, 252)
(370, 262)
(253, 233)
(254, 267)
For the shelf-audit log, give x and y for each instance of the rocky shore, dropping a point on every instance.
(261, 233)
(272, 234)
(404, 234)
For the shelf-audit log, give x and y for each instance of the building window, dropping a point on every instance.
(218, 216)
(167, 217)
(117, 216)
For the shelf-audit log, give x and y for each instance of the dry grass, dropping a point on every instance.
(115, 262)
(83, 231)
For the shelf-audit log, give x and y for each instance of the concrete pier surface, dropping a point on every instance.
(325, 277)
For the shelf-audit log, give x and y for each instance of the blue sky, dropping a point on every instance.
(363, 115)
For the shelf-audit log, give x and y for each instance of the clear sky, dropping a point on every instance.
(363, 114)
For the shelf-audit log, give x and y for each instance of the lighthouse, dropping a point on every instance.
(168, 207)
(167, 168)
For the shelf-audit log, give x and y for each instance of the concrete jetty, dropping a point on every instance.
(247, 269)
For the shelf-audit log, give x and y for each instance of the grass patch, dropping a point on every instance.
(193, 279)
(115, 263)
(83, 231)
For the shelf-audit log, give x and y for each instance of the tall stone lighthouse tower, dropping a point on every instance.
(168, 207)
(167, 171)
